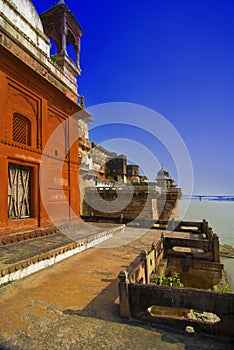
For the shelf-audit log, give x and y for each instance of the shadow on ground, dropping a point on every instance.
(105, 307)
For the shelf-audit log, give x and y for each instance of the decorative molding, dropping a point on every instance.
(59, 117)
(38, 151)
(24, 35)
(43, 68)
(20, 146)
(33, 104)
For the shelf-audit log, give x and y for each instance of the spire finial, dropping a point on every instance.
(61, 2)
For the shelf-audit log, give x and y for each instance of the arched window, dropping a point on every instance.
(21, 129)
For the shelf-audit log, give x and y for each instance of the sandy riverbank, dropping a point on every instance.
(226, 251)
(227, 257)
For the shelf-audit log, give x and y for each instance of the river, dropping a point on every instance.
(220, 216)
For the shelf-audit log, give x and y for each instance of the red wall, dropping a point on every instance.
(24, 91)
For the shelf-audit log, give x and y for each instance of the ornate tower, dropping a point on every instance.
(61, 26)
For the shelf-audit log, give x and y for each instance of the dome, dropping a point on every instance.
(162, 173)
(22, 22)
(28, 11)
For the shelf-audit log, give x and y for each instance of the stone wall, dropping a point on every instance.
(168, 204)
(115, 204)
(145, 203)
(221, 304)
(202, 309)
(38, 96)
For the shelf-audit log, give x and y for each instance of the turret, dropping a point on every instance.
(62, 27)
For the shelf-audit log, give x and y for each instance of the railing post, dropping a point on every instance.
(216, 255)
(121, 218)
(204, 227)
(153, 247)
(123, 295)
(144, 259)
(163, 244)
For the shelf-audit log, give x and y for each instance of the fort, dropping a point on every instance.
(51, 191)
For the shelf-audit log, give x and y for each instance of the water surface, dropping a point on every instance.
(220, 216)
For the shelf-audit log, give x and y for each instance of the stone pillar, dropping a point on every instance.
(77, 48)
(123, 295)
(64, 35)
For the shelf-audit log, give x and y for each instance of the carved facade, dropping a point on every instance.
(37, 97)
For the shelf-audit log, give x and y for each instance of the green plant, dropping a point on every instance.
(8, 258)
(225, 289)
(172, 281)
(54, 58)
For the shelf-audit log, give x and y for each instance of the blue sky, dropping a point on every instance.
(175, 57)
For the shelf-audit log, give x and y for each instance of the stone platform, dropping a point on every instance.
(74, 305)
(22, 258)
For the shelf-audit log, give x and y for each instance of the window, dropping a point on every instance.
(21, 129)
(18, 191)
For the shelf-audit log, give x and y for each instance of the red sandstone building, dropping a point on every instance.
(38, 94)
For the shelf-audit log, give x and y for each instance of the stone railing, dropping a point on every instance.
(185, 226)
(138, 301)
(138, 297)
(205, 249)
(149, 262)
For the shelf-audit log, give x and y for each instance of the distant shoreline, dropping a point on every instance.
(210, 198)
(226, 251)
